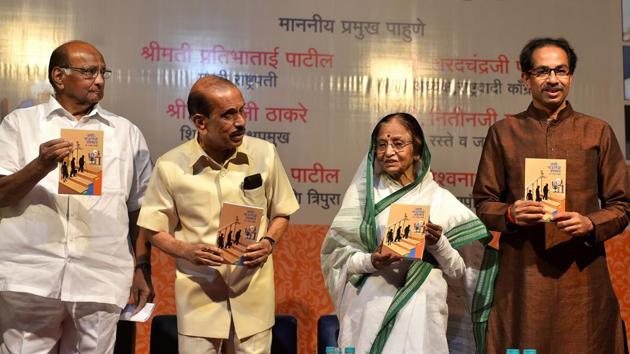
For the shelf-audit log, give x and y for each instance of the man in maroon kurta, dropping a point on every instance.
(553, 291)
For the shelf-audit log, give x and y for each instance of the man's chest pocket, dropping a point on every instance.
(255, 197)
(116, 173)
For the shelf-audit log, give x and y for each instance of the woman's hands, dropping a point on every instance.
(432, 233)
(380, 260)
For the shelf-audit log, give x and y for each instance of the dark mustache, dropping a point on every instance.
(553, 87)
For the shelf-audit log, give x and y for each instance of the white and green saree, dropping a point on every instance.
(403, 308)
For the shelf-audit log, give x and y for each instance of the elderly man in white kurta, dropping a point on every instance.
(66, 267)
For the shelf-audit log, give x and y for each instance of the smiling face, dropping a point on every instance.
(549, 93)
(223, 131)
(395, 152)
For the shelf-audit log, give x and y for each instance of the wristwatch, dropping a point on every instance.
(271, 241)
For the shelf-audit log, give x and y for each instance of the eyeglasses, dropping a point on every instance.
(397, 145)
(90, 73)
(543, 72)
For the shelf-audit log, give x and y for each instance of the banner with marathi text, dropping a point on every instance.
(316, 76)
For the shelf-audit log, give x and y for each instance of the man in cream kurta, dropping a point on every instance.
(218, 305)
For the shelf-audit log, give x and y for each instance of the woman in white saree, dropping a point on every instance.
(386, 304)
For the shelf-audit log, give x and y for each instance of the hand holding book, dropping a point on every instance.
(573, 223)
(52, 152)
(381, 260)
(432, 233)
(203, 254)
(237, 235)
(404, 233)
(545, 188)
(81, 170)
(526, 212)
(257, 253)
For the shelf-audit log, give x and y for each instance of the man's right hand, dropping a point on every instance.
(52, 152)
(527, 212)
(203, 254)
(15, 186)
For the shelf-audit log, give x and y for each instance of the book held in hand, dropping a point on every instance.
(82, 171)
(142, 316)
(545, 182)
(404, 234)
(238, 228)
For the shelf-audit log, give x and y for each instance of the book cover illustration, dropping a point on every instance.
(545, 182)
(404, 234)
(238, 228)
(82, 171)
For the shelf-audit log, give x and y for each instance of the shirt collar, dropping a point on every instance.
(539, 114)
(199, 160)
(53, 107)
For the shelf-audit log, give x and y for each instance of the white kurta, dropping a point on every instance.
(73, 248)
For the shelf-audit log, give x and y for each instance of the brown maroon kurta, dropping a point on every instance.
(553, 292)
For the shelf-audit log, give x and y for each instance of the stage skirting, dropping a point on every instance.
(300, 290)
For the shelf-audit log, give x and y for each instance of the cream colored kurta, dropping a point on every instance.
(186, 203)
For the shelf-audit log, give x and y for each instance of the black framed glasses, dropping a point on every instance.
(543, 72)
(90, 73)
(397, 145)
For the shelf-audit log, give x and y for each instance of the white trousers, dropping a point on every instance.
(32, 324)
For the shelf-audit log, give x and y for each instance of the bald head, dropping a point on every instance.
(60, 57)
(198, 102)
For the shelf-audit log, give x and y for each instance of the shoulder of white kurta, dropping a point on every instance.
(16, 116)
(26, 111)
(119, 122)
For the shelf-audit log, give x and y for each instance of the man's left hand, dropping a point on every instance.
(141, 288)
(573, 223)
(256, 254)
